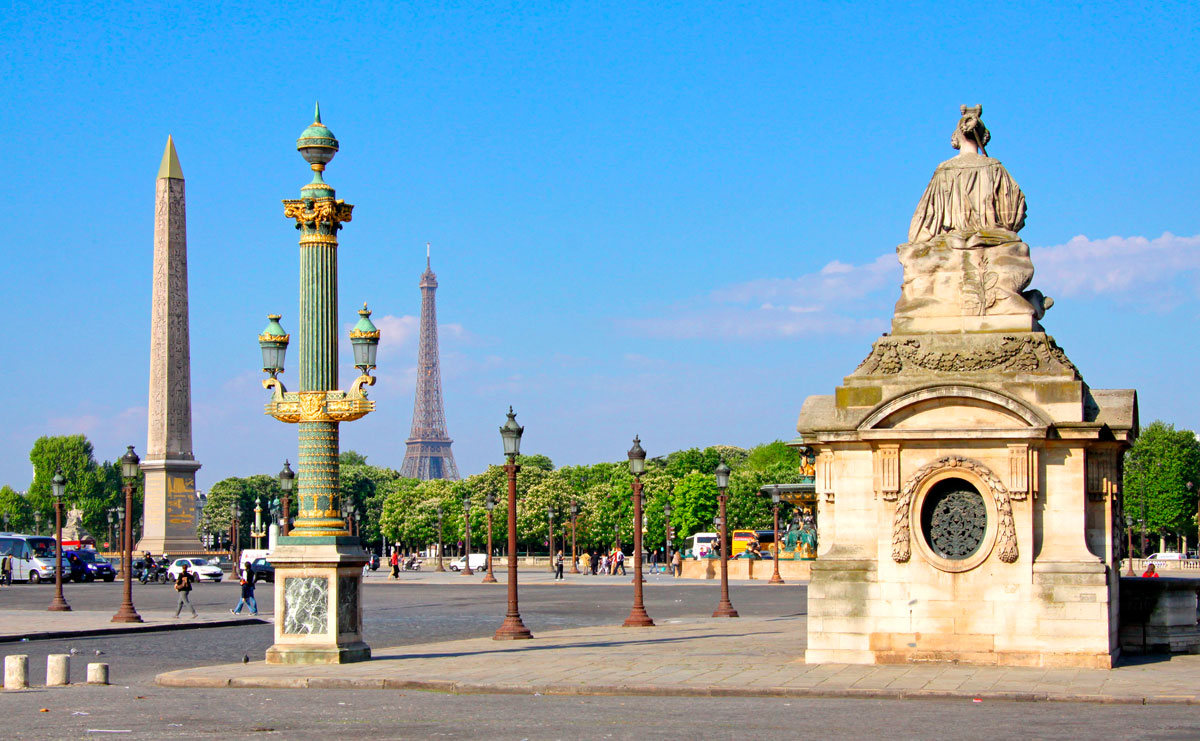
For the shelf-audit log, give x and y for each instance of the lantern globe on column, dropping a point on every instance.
(490, 502)
(317, 144)
(511, 434)
(274, 342)
(58, 484)
(722, 474)
(287, 477)
(365, 340)
(667, 509)
(637, 458)
(129, 464)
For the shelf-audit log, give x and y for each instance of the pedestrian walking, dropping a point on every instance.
(183, 587)
(677, 564)
(620, 563)
(558, 567)
(585, 562)
(247, 595)
(6, 566)
(395, 563)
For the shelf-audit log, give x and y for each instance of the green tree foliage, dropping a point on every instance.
(768, 456)
(365, 486)
(352, 458)
(91, 487)
(18, 510)
(248, 492)
(535, 461)
(1158, 469)
(693, 504)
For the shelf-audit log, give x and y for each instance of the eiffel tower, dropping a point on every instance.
(428, 455)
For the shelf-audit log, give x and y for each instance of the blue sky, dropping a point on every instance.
(676, 220)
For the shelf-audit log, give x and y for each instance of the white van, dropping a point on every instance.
(33, 556)
(478, 562)
(1166, 556)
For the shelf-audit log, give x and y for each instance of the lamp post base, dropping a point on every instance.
(775, 579)
(468, 572)
(512, 629)
(488, 579)
(725, 610)
(318, 606)
(59, 605)
(638, 619)
(127, 615)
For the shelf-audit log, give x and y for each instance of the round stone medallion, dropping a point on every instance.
(954, 519)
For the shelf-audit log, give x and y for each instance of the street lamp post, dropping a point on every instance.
(775, 577)
(512, 628)
(37, 522)
(638, 618)
(440, 567)
(287, 479)
(725, 607)
(259, 532)
(129, 472)
(58, 485)
(235, 537)
(489, 504)
(574, 516)
(550, 540)
(112, 527)
(617, 535)
(467, 519)
(667, 541)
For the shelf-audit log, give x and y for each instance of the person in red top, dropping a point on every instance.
(1150, 572)
(395, 563)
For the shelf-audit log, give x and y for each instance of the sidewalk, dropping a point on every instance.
(700, 657)
(40, 625)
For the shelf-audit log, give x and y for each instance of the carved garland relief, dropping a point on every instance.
(891, 356)
(1006, 537)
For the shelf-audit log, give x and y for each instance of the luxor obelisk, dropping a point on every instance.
(169, 523)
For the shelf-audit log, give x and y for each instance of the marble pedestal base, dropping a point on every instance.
(318, 605)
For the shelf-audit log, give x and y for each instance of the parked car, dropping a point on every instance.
(478, 561)
(92, 566)
(262, 570)
(203, 570)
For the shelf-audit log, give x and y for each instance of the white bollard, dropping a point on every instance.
(58, 670)
(16, 672)
(97, 673)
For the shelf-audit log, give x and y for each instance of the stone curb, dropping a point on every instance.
(119, 629)
(188, 678)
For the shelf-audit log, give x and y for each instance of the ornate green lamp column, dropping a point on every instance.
(318, 565)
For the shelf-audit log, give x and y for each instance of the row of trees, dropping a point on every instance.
(404, 510)
(1162, 486)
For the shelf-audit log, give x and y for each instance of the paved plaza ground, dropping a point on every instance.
(433, 631)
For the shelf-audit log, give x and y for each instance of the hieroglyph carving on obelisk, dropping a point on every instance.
(169, 523)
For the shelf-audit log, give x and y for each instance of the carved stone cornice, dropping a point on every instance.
(965, 354)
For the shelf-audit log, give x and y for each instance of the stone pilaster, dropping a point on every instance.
(169, 523)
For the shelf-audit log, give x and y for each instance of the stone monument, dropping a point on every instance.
(169, 522)
(970, 477)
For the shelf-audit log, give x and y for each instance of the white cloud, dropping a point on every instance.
(835, 282)
(1115, 266)
(397, 333)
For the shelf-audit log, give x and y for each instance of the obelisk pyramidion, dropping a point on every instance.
(169, 522)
